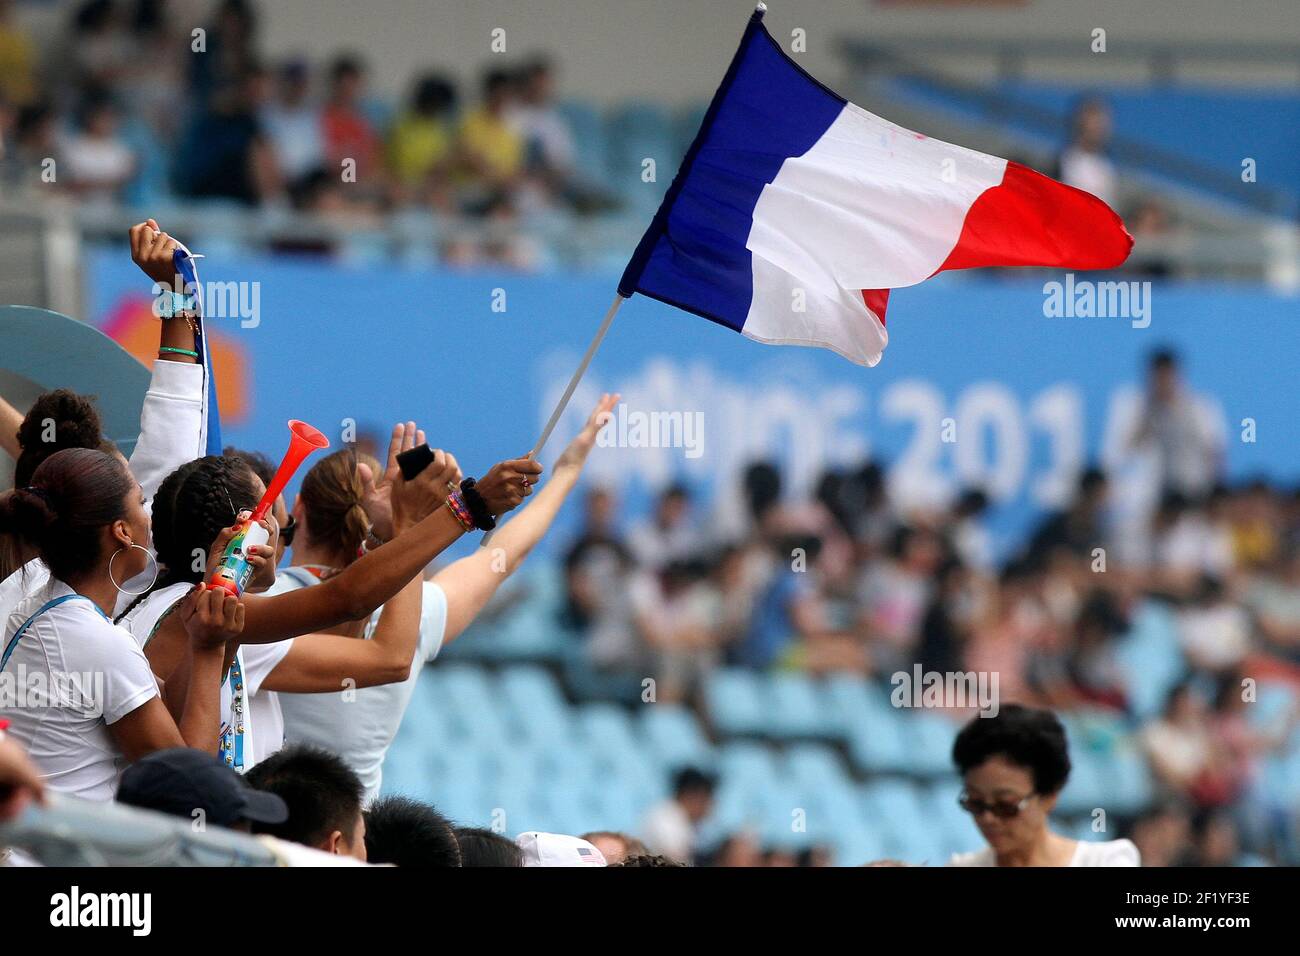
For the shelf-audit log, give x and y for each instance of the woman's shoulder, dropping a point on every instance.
(1107, 853)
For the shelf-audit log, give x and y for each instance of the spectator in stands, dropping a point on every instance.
(1182, 752)
(1081, 526)
(1179, 429)
(1084, 163)
(293, 125)
(607, 595)
(1013, 766)
(225, 153)
(421, 144)
(17, 59)
(670, 534)
(491, 151)
(349, 133)
(648, 859)
(227, 52)
(557, 849)
(615, 847)
(98, 161)
(480, 846)
(196, 786)
(98, 47)
(31, 163)
(1161, 835)
(408, 833)
(672, 826)
(895, 590)
(548, 141)
(1214, 629)
(323, 797)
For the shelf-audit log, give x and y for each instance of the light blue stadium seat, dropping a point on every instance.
(539, 712)
(605, 728)
(1127, 779)
(591, 141)
(673, 736)
(796, 707)
(748, 763)
(856, 844)
(928, 737)
(849, 701)
(1085, 790)
(878, 744)
(815, 766)
(956, 828)
(895, 807)
(1151, 658)
(735, 701)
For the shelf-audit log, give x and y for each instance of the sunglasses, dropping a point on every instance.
(1002, 809)
(287, 531)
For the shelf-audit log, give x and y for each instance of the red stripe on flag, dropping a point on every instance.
(877, 300)
(1030, 220)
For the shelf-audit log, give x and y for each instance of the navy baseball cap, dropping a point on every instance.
(182, 780)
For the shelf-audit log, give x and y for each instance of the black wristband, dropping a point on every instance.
(477, 505)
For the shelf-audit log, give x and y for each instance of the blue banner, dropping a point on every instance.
(993, 383)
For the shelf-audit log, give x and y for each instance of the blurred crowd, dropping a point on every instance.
(849, 581)
(130, 104)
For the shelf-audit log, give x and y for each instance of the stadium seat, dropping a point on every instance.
(672, 735)
(795, 707)
(927, 738)
(735, 702)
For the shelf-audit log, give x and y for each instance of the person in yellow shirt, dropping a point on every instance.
(17, 59)
(421, 142)
(492, 151)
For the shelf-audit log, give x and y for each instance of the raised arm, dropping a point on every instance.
(470, 582)
(10, 421)
(425, 530)
(320, 663)
(171, 421)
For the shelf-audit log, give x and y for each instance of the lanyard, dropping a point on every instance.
(231, 748)
(13, 641)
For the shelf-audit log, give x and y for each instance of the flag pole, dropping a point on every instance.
(570, 388)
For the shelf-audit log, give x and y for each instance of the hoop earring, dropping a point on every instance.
(152, 580)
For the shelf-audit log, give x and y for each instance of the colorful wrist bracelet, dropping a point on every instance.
(190, 352)
(457, 505)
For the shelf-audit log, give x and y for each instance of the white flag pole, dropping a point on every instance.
(570, 388)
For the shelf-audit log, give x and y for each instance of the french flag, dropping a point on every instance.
(795, 212)
(186, 264)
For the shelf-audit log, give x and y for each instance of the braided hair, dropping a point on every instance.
(193, 504)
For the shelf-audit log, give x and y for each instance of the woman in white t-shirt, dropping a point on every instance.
(1013, 766)
(192, 506)
(334, 514)
(78, 693)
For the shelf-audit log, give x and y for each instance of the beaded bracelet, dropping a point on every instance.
(457, 506)
(167, 348)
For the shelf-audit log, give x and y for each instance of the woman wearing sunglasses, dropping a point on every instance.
(1013, 767)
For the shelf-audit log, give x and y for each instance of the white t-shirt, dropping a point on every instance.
(263, 732)
(360, 729)
(1086, 853)
(70, 675)
(668, 830)
(172, 432)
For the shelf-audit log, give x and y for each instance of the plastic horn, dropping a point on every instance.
(234, 570)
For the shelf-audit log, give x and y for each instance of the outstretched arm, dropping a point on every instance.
(10, 420)
(470, 582)
(321, 663)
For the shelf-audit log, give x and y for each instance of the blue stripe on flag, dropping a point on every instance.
(767, 110)
(189, 273)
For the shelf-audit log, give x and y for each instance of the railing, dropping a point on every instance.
(73, 832)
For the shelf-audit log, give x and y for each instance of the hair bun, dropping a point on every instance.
(28, 513)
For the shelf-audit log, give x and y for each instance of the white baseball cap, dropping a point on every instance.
(557, 849)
